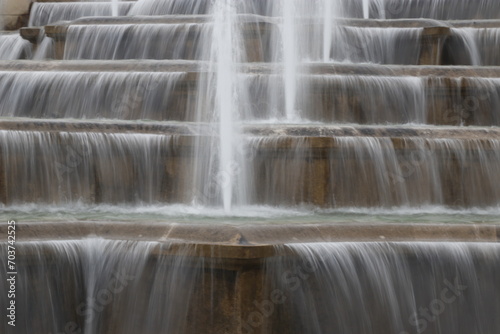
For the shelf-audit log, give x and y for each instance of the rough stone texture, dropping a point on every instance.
(193, 67)
(321, 136)
(14, 13)
(433, 39)
(253, 241)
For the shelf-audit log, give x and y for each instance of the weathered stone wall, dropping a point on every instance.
(14, 14)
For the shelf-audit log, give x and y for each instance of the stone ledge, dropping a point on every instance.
(256, 235)
(326, 132)
(250, 18)
(30, 34)
(249, 242)
(195, 67)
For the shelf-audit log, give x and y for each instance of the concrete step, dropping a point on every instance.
(330, 166)
(434, 42)
(44, 13)
(255, 241)
(234, 283)
(364, 94)
(258, 36)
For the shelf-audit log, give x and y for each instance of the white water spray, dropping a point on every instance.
(114, 7)
(225, 104)
(327, 30)
(290, 58)
(366, 9)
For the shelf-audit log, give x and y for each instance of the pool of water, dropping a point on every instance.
(245, 214)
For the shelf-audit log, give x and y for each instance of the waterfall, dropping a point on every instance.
(14, 47)
(290, 58)
(250, 166)
(64, 168)
(147, 41)
(114, 7)
(226, 100)
(478, 44)
(75, 94)
(382, 288)
(220, 164)
(45, 13)
(366, 9)
(93, 284)
(373, 172)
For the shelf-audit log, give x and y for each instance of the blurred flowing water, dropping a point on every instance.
(384, 288)
(93, 287)
(250, 125)
(44, 13)
(12, 47)
(241, 63)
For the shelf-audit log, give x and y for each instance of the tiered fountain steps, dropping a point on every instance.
(257, 31)
(361, 94)
(325, 166)
(43, 13)
(436, 40)
(226, 270)
(13, 46)
(444, 89)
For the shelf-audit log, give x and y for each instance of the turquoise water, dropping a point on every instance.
(245, 214)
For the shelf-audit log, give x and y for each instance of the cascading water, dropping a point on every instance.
(383, 288)
(14, 47)
(84, 167)
(219, 173)
(366, 9)
(327, 30)
(85, 42)
(225, 105)
(171, 7)
(377, 45)
(46, 49)
(478, 44)
(380, 173)
(348, 287)
(229, 91)
(403, 9)
(290, 58)
(114, 7)
(91, 95)
(44, 13)
(210, 134)
(97, 284)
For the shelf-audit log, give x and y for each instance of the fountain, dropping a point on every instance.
(366, 9)
(250, 166)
